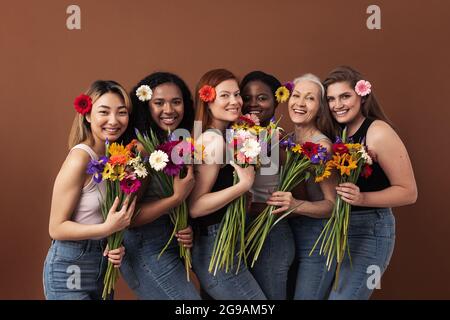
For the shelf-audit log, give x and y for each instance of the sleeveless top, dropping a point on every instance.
(88, 209)
(264, 185)
(223, 181)
(377, 180)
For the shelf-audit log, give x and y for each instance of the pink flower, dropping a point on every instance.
(362, 88)
(240, 157)
(130, 184)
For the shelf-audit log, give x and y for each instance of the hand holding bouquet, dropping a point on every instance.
(120, 169)
(300, 160)
(169, 161)
(245, 148)
(350, 160)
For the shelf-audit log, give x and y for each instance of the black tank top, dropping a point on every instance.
(377, 180)
(223, 181)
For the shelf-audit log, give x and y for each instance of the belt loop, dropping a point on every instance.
(380, 213)
(88, 245)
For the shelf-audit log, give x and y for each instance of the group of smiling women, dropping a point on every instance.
(317, 109)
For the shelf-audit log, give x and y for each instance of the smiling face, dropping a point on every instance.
(258, 100)
(344, 103)
(304, 103)
(166, 106)
(108, 118)
(227, 106)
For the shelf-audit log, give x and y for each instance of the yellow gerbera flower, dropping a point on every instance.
(120, 172)
(108, 170)
(282, 94)
(256, 129)
(297, 148)
(237, 126)
(116, 149)
(353, 147)
(326, 173)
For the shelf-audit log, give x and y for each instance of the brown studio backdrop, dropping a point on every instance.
(44, 66)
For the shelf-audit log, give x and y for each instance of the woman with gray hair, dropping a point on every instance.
(312, 123)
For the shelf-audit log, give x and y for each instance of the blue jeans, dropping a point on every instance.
(74, 270)
(371, 239)
(272, 267)
(147, 275)
(222, 286)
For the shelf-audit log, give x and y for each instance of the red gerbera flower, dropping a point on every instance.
(340, 148)
(207, 93)
(310, 149)
(366, 171)
(247, 120)
(83, 104)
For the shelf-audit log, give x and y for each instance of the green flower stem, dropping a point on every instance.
(291, 175)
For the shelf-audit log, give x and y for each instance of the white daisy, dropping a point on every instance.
(365, 156)
(251, 148)
(144, 93)
(158, 160)
(140, 170)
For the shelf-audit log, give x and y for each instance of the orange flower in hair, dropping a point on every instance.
(207, 93)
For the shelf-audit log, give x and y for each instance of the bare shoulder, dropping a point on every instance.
(76, 163)
(380, 130)
(211, 137)
(326, 143)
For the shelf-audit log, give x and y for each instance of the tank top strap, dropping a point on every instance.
(360, 135)
(92, 185)
(319, 137)
(86, 148)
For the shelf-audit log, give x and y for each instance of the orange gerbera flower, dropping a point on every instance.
(131, 145)
(207, 93)
(118, 159)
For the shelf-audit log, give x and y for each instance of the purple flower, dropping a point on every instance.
(95, 168)
(289, 85)
(172, 169)
(289, 143)
(321, 156)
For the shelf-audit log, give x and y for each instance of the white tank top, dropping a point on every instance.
(88, 209)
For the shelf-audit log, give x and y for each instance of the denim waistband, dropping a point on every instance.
(380, 212)
(87, 245)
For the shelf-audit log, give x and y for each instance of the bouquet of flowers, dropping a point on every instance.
(120, 169)
(246, 149)
(301, 159)
(168, 160)
(351, 160)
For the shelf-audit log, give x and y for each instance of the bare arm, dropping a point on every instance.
(202, 201)
(392, 156)
(314, 209)
(150, 211)
(66, 194)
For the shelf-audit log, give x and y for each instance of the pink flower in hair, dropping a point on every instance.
(362, 88)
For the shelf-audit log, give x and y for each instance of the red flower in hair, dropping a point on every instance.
(83, 104)
(310, 149)
(207, 93)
